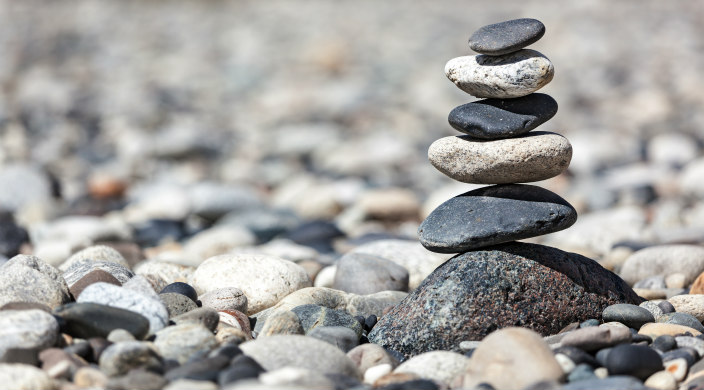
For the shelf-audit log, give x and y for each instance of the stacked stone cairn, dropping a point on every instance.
(495, 282)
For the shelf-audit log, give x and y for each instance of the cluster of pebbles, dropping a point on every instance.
(207, 287)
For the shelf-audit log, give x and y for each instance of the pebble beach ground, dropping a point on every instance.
(204, 195)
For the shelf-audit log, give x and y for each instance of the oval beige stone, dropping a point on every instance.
(265, 280)
(507, 76)
(655, 329)
(532, 157)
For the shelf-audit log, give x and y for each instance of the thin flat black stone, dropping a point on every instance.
(506, 37)
(502, 118)
(494, 215)
(86, 320)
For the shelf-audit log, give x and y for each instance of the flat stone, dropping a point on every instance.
(86, 320)
(227, 298)
(630, 315)
(26, 278)
(441, 366)
(24, 377)
(690, 304)
(367, 274)
(506, 37)
(634, 360)
(120, 358)
(180, 342)
(299, 351)
(682, 319)
(494, 215)
(664, 260)
(265, 280)
(313, 316)
(658, 329)
(27, 329)
(514, 284)
(107, 294)
(594, 338)
(411, 255)
(95, 276)
(491, 119)
(511, 358)
(506, 76)
(535, 156)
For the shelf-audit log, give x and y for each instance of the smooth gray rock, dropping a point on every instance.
(110, 295)
(339, 336)
(227, 298)
(515, 284)
(180, 342)
(360, 273)
(31, 329)
(313, 316)
(299, 351)
(682, 319)
(26, 278)
(120, 358)
(494, 215)
(502, 118)
(630, 315)
(506, 37)
(177, 304)
(203, 315)
(510, 75)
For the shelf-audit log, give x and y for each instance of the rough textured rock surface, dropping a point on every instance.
(535, 156)
(516, 284)
(507, 76)
(506, 37)
(29, 279)
(501, 118)
(494, 215)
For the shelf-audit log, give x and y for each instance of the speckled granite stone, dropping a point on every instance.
(515, 284)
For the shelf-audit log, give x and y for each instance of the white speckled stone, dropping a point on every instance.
(538, 155)
(506, 76)
(692, 304)
(27, 329)
(26, 278)
(265, 280)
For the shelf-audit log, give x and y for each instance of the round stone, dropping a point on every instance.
(184, 289)
(630, 315)
(177, 304)
(506, 76)
(502, 118)
(634, 360)
(516, 284)
(265, 280)
(299, 351)
(34, 329)
(25, 377)
(29, 279)
(313, 316)
(494, 215)
(506, 37)
(664, 260)
(120, 358)
(361, 273)
(180, 342)
(535, 156)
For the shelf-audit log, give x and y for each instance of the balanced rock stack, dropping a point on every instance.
(494, 282)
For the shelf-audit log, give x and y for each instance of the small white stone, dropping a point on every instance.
(326, 277)
(376, 372)
(565, 362)
(677, 367)
(506, 76)
(441, 366)
(661, 380)
(601, 372)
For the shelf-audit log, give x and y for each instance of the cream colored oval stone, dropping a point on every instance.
(265, 280)
(506, 76)
(532, 157)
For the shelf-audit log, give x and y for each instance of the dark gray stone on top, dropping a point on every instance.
(515, 284)
(506, 37)
(503, 118)
(494, 215)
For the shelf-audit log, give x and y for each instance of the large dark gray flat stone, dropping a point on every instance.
(494, 215)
